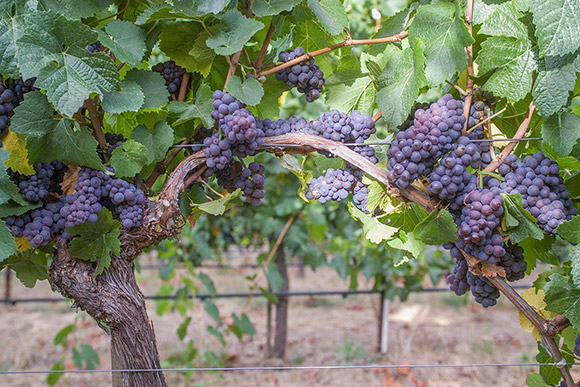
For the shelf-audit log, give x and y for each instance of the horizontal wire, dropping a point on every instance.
(380, 143)
(343, 293)
(290, 368)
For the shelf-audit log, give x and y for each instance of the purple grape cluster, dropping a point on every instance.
(224, 104)
(305, 76)
(280, 127)
(11, 94)
(171, 73)
(458, 280)
(337, 126)
(542, 189)
(83, 205)
(251, 182)
(417, 149)
(240, 131)
(217, 152)
(114, 140)
(576, 347)
(335, 184)
(482, 290)
(360, 196)
(514, 263)
(38, 226)
(95, 47)
(481, 215)
(35, 188)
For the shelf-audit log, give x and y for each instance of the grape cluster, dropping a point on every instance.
(217, 152)
(11, 94)
(35, 188)
(482, 290)
(577, 346)
(360, 196)
(171, 73)
(337, 126)
(335, 184)
(38, 226)
(241, 132)
(542, 189)
(514, 263)
(417, 149)
(114, 141)
(305, 76)
(224, 104)
(95, 47)
(458, 280)
(251, 182)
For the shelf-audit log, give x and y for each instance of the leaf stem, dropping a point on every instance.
(91, 106)
(469, 50)
(264, 49)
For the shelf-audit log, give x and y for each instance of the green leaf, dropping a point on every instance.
(129, 159)
(348, 89)
(399, 84)
(408, 218)
(53, 378)
(183, 112)
(216, 207)
(274, 278)
(73, 9)
(556, 78)
(249, 92)
(575, 260)
(535, 380)
(442, 29)
(157, 142)
(10, 27)
(407, 242)
(30, 266)
(178, 40)
(269, 107)
(557, 26)
(436, 229)
(53, 138)
(244, 324)
(234, 31)
(374, 230)
(125, 39)
(505, 21)
(570, 230)
(331, 14)
(270, 296)
(311, 36)
(212, 310)
(55, 51)
(201, 56)
(182, 328)
(263, 8)
(561, 131)
(564, 298)
(217, 334)
(129, 99)
(96, 241)
(62, 335)
(512, 62)
(85, 355)
(8, 190)
(518, 223)
(7, 243)
(543, 250)
(153, 87)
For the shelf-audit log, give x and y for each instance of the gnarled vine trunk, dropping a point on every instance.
(114, 300)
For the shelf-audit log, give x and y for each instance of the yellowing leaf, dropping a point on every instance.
(22, 244)
(18, 160)
(536, 301)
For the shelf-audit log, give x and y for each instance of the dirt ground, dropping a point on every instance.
(429, 328)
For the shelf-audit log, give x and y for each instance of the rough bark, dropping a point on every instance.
(279, 349)
(116, 303)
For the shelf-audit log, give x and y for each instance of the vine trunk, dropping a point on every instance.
(114, 300)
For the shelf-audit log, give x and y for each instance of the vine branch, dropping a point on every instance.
(183, 87)
(347, 42)
(236, 57)
(470, 74)
(262, 54)
(91, 106)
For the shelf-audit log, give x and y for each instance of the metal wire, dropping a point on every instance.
(289, 368)
(379, 143)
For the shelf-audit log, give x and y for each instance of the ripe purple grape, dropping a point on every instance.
(305, 76)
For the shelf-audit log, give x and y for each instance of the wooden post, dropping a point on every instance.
(8, 284)
(384, 325)
(279, 349)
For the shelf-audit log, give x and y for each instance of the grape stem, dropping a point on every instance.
(183, 87)
(510, 146)
(262, 54)
(456, 87)
(347, 42)
(469, 50)
(91, 106)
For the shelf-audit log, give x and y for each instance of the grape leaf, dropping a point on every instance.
(400, 82)
(73, 9)
(374, 230)
(564, 298)
(570, 230)
(561, 131)
(129, 98)
(182, 329)
(408, 242)
(85, 355)
(54, 49)
(249, 92)
(535, 380)
(7, 243)
(311, 36)
(557, 27)
(269, 107)
(518, 223)
(441, 25)
(125, 39)
(436, 229)
(153, 87)
(505, 21)
(234, 31)
(331, 14)
(575, 261)
(408, 218)
(263, 8)
(177, 40)
(242, 325)
(535, 249)
(349, 89)
(511, 63)
(53, 138)
(275, 280)
(556, 78)
(96, 241)
(217, 207)
(165, 12)
(201, 55)
(128, 159)
(30, 266)
(18, 160)
(157, 142)
(10, 26)
(184, 112)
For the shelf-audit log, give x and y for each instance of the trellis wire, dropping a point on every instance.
(343, 293)
(290, 368)
(379, 143)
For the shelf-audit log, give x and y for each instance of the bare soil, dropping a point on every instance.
(428, 328)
